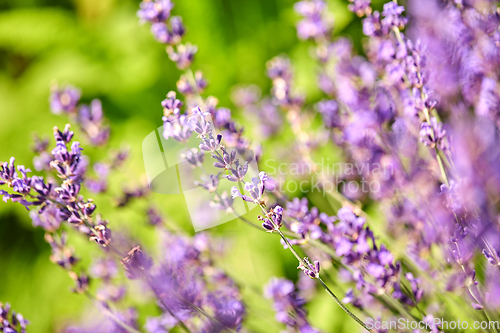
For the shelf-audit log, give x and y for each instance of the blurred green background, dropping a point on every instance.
(99, 46)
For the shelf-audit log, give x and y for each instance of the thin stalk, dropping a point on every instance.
(189, 303)
(181, 323)
(342, 306)
(321, 282)
(111, 315)
(490, 321)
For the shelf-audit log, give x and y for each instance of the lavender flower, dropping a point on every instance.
(155, 11)
(183, 55)
(288, 306)
(177, 127)
(11, 322)
(171, 105)
(64, 100)
(433, 135)
(91, 122)
(315, 24)
(255, 188)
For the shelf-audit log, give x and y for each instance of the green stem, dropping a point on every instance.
(110, 315)
(321, 282)
(490, 321)
(342, 306)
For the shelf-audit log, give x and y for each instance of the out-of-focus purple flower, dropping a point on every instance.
(177, 27)
(329, 109)
(104, 269)
(11, 322)
(64, 100)
(106, 324)
(228, 312)
(194, 85)
(360, 7)
(183, 55)
(287, 304)
(162, 324)
(279, 67)
(154, 216)
(155, 11)
(61, 254)
(280, 71)
(161, 32)
(392, 15)
(139, 191)
(372, 25)
(49, 219)
(244, 96)
(136, 263)
(177, 128)
(255, 188)
(171, 105)
(269, 119)
(315, 22)
(91, 121)
(164, 35)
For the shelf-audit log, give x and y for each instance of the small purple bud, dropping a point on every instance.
(477, 306)
(268, 225)
(316, 266)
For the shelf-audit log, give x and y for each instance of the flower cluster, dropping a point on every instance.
(168, 30)
(11, 322)
(90, 118)
(186, 282)
(288, 305)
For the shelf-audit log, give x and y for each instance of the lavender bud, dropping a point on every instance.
(183, 55)
(171, 105)
(136, 262)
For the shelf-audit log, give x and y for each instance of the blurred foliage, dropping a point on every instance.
(99, 46)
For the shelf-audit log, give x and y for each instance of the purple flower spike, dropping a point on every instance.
(238, 172)
(171, 105)
(64, 136)
(311, 270)
(433, 134)
(210, 144)
(11, 322)
(178, 128)
(178, 28)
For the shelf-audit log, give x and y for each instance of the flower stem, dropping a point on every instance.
(111, 316)
(339, 303)
(321, 282)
